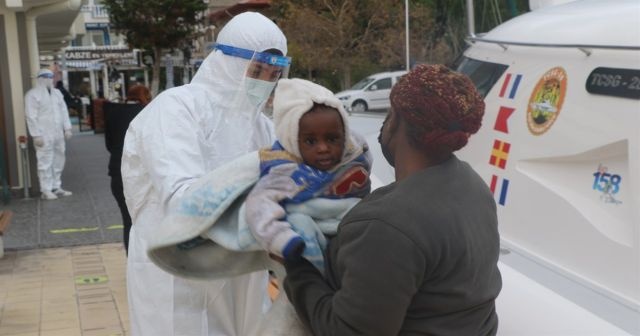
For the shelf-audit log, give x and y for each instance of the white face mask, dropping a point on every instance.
(45, 82)
(258, 91)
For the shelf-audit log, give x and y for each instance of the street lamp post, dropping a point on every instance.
(471, 23)
(406, 24)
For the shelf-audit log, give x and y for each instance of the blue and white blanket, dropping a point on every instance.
(207, 236)
(294, 201)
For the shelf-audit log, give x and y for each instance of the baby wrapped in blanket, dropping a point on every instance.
(313, 174)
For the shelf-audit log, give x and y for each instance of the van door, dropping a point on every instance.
(378, 94)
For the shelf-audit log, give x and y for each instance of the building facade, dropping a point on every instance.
(73, 38)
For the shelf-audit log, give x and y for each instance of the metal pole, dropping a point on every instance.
(22, 140)
(471, 21)
(122, 88)
(406, 24)
(146, 77)
(185, 73)
(83, 117)
(65, 71)
(105, 81)
(92, 81)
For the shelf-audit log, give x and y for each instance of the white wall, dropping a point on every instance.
(15, 79)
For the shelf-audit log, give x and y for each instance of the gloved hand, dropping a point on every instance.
(38, 141)
(67, 134)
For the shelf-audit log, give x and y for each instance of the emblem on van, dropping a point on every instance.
(546, 101)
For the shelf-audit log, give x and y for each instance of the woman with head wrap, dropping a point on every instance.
(184, 133)
(418, 256)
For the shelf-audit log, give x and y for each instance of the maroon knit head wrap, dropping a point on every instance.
(442, 107)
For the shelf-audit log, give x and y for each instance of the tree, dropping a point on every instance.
(340, 36)
(156, 25)
(343, 37)
(450, 23)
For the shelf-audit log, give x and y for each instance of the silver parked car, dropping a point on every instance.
(371, 93)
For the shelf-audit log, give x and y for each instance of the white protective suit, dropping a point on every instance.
(181, 135)
(48, 124)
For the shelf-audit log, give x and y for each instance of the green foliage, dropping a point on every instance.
(332, 38)
(149, 24)
(156, 25)
(338, 42)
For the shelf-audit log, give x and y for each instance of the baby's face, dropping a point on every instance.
(321, 137)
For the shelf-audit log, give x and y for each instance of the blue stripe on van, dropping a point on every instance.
(515, 87)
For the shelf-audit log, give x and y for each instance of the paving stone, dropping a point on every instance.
(33, 304)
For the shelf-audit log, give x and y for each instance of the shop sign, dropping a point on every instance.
(121, 56)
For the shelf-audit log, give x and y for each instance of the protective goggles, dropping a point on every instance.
(46, 75)
(263, 65)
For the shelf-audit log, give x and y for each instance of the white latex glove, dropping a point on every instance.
(67, 134)
(38, 141)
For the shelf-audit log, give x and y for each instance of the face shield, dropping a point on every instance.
(263, 71)
(246, 100)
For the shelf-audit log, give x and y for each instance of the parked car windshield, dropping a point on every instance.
(361, 84)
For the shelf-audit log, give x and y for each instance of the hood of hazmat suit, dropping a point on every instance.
(181, 135)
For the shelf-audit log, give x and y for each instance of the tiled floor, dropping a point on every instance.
(70, 291)
(73, 291)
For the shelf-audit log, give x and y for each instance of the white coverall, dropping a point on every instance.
(48, 117)
(180, 136)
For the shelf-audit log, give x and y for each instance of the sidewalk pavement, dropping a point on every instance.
(89, 216)
(63, 272)
(69, 291)
(64, 268)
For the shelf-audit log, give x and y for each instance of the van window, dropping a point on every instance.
(382, 84)
(483, 74)
(362, 84)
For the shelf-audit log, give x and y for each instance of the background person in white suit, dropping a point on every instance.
(49, 126)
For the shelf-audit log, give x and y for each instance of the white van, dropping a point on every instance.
(560, 144)
(371, 93)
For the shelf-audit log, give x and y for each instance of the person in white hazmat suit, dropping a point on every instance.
(180, 136)
(49, 126)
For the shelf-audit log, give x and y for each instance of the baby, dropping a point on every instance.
(316, 157)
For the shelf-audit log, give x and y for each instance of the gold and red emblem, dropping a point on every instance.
(546, 101)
